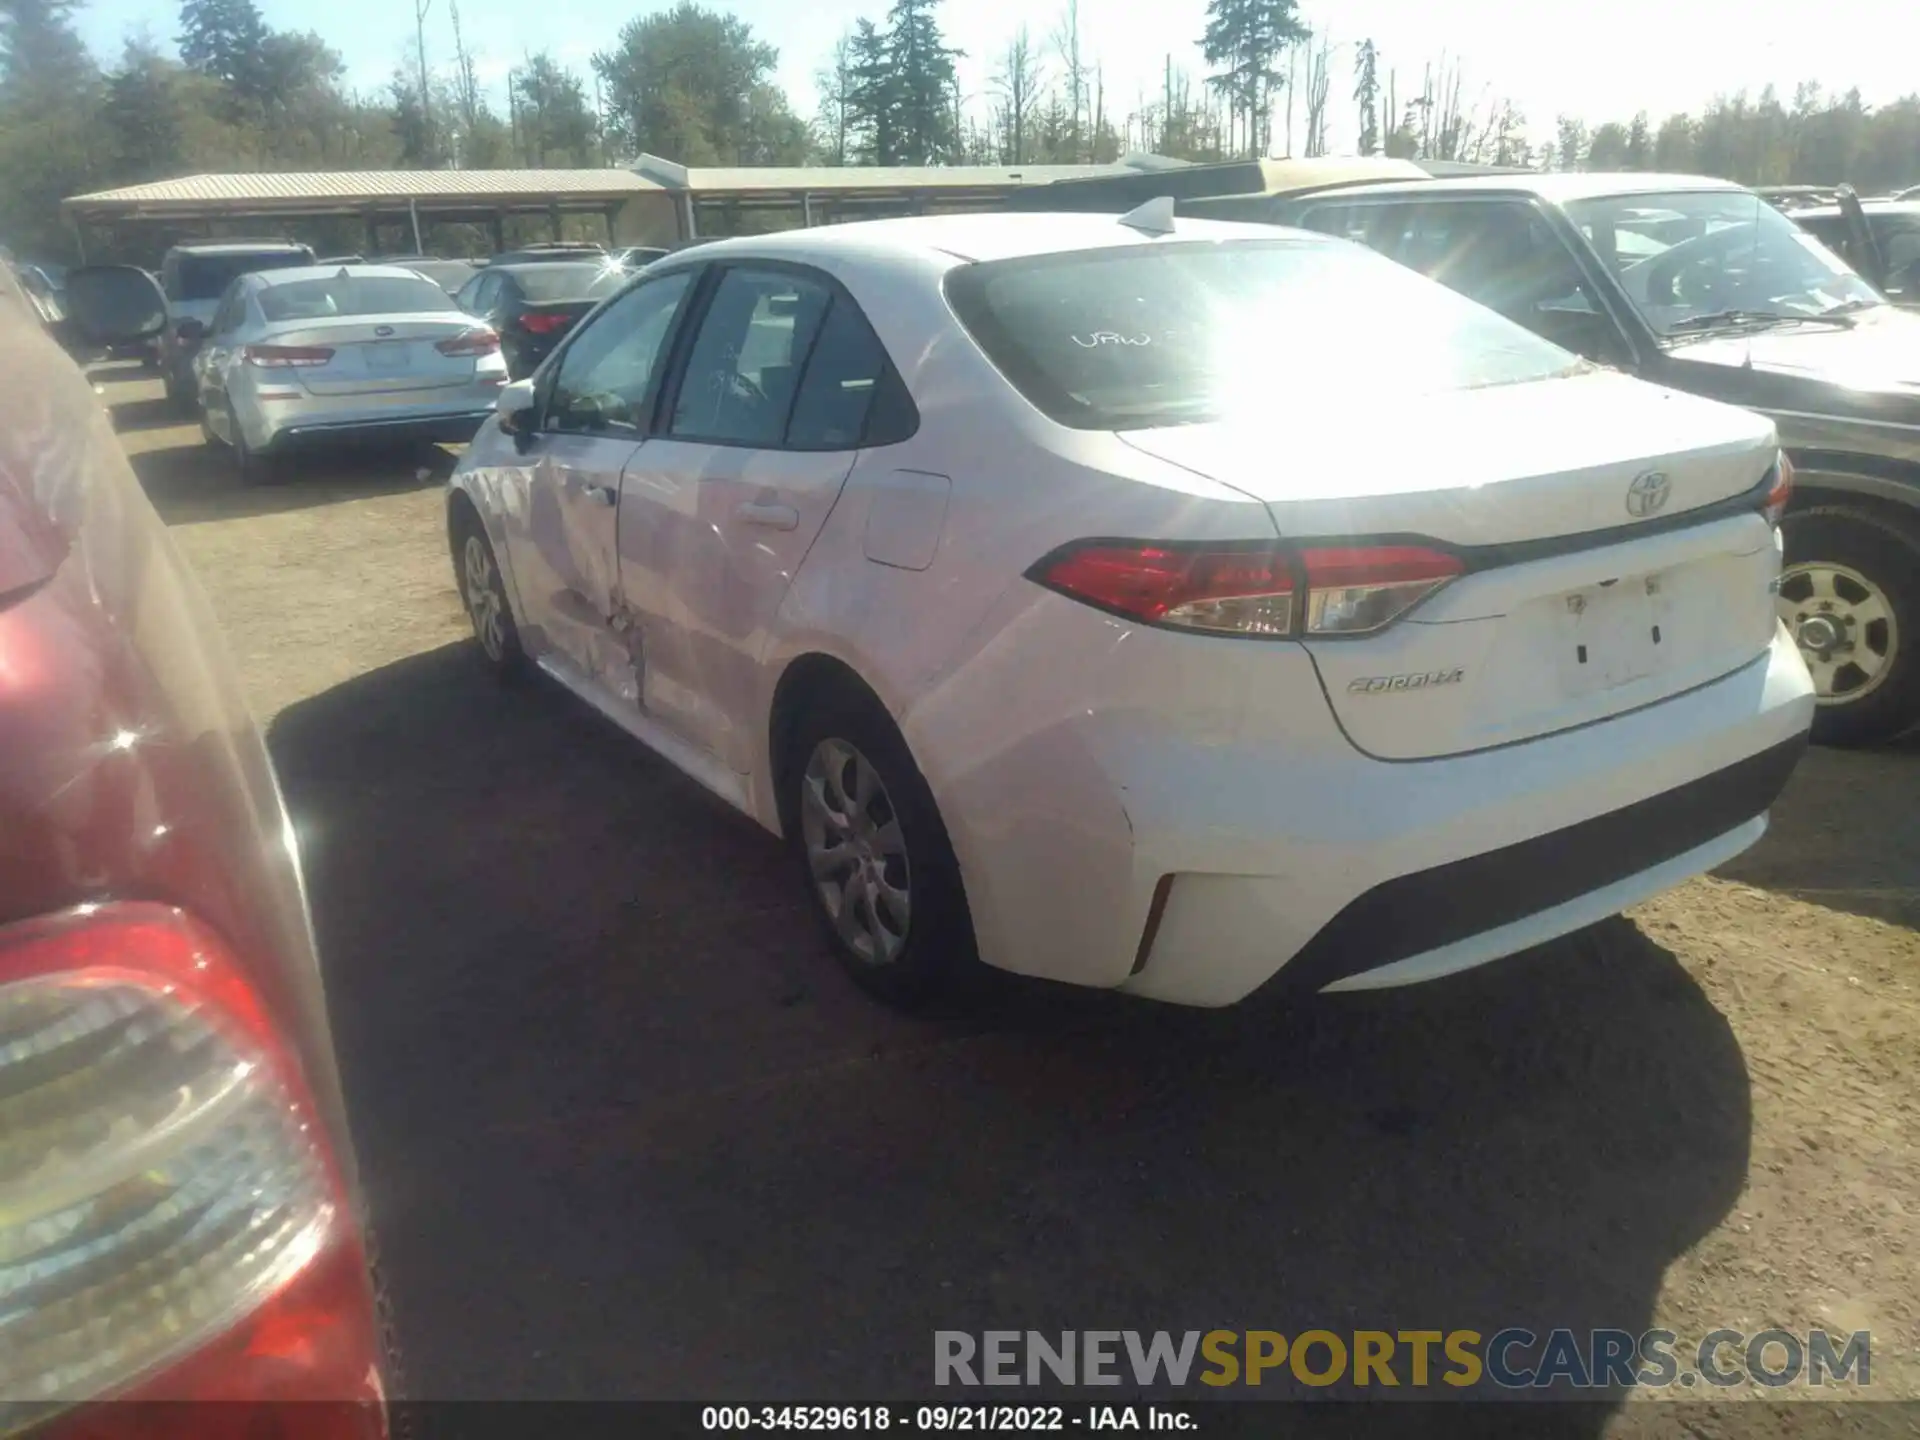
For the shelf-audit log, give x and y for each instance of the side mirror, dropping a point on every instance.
(115, 304)
(191, 330)
(515, 408)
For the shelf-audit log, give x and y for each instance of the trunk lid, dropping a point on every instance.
(1566, 615)
(380, 354)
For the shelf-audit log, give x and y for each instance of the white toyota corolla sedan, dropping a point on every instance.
(1160, 605)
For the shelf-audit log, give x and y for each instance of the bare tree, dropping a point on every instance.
(420, 9)
(1066, 44)
(1319, 83)
(835, 83)
(1018, 84)
(466, 83)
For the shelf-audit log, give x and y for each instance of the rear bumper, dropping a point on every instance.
(1197, 851)
(450, 429)
(1480, 856)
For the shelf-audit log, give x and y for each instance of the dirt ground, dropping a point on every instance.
(627, 1133)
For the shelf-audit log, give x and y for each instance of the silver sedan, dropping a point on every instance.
(325, 354)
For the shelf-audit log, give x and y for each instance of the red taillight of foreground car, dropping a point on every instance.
(1266, 591)
(538, 324)
(482, 341)
(1781, 490)
(285, 357)
(173, 1226)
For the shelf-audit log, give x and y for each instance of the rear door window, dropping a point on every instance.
(743, 371)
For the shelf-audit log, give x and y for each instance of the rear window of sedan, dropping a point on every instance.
(541, 283)
(1187, 331)
(353, 295)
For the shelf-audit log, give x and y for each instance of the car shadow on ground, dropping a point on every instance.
(1846, 834)
(190, 484)
(131, 417)
(627, 1132)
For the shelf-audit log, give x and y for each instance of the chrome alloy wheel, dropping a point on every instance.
(856, 851)
(486, 606)
(1845, 627)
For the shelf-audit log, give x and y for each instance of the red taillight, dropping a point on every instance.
(1223, 589)
(172, 1223)
(536, 323)
(1251, 590)
(286, 357)
(482, 341)
(1782, 489)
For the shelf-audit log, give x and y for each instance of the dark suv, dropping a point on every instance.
(194, 277)
(1692, 283)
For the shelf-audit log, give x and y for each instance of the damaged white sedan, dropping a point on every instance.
(1164, 606)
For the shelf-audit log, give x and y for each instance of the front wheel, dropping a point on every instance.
(874, 855)
(483, 592)
(1850, 597)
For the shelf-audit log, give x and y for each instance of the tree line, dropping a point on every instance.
(227, 92)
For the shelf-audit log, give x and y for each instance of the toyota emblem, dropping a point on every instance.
(1647, 495)
(384, 330)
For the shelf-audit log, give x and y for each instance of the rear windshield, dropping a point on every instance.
(1182, 332)
(447, 274)
(353, 295)
(206, 277)
(559, 282)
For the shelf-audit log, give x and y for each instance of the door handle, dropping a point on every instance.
(774, 517)
(605, 494)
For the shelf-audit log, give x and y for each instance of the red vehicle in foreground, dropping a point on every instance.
(179, 1212)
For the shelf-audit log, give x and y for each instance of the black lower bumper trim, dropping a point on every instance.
(438, 429)
(1412, 914)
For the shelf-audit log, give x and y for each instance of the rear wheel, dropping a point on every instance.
(253, 467)
(1850, 597)
(874, 854)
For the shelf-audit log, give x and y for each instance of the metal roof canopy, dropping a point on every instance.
(790, 187)
(478, 195)
(443, 194)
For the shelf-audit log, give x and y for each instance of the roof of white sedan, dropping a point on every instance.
(981, 237)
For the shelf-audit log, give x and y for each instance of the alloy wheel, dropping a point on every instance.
(856, 852)
(485, 605)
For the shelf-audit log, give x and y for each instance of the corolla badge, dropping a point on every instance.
(383, 330)
(1648, 493)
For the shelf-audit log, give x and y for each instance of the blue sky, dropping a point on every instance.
(1660, 55)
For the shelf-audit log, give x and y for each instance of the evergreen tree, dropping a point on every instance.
(873, 101)
(143, 113)
(923, 80)
(226, 39)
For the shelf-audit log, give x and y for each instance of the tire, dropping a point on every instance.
(483, 595)
(907, 956)
(253, 467)
(1860, 574)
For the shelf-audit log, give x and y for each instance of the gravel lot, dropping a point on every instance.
(626, 1131)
